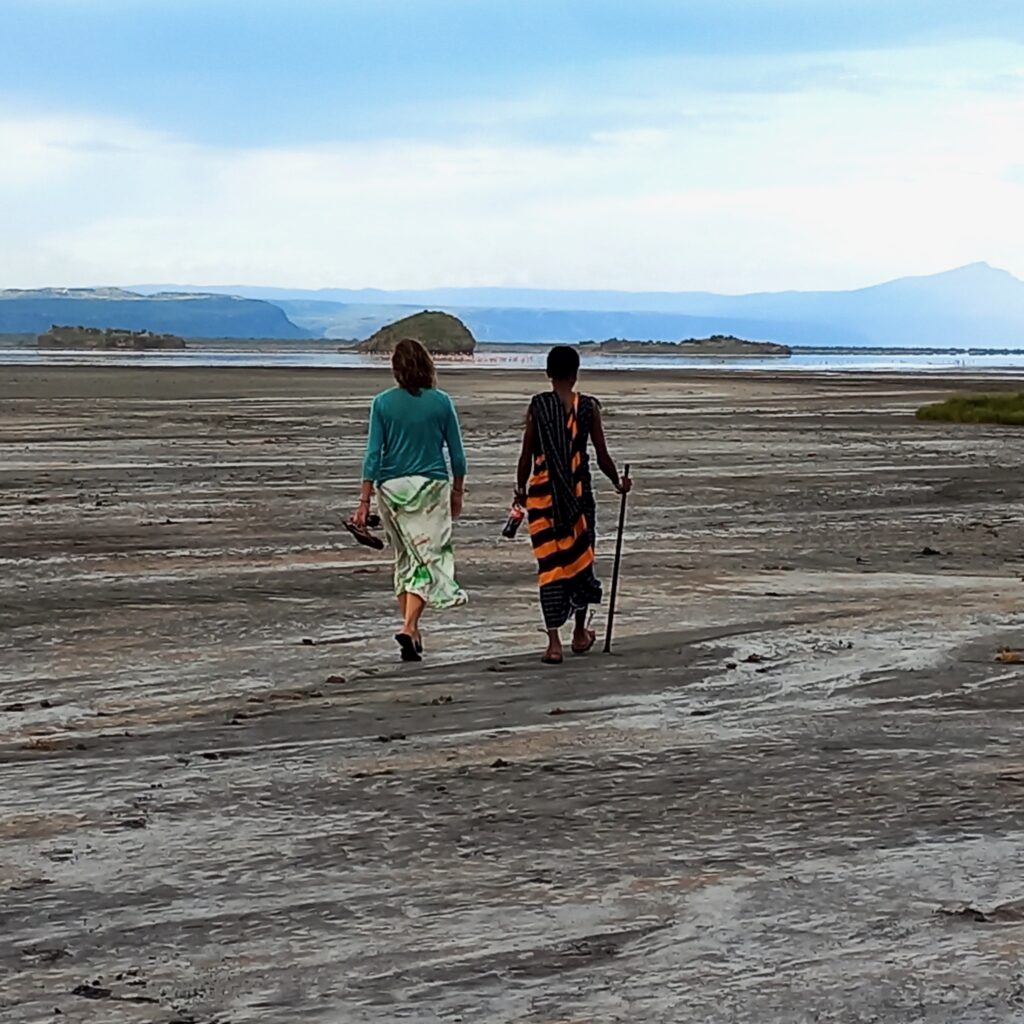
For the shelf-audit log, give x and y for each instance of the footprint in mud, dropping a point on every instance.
(45, 954)
(90, 991)
(27, 884)
(95, 991)
(1005, 913)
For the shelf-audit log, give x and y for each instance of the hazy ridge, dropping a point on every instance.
(976, 305)
(184, 313)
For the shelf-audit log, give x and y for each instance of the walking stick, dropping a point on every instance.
(615, 570)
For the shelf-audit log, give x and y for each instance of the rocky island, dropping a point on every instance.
(440, 333)
(96, 339)
(720, 345)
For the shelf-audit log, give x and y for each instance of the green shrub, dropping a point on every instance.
(1006, 408)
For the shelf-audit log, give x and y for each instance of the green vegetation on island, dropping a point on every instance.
(96, 340)
(440, 333)
(1006, 408)
(721, 345)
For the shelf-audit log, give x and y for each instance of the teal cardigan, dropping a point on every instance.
(408, 436)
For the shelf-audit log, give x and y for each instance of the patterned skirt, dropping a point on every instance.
(565, 557)
(417, 518)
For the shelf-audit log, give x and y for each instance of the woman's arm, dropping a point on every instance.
(453, 442)
(371, 463)
(525, 459)
(457, 456)
(604, 460)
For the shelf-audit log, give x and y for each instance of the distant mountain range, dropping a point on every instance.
(972, 306)
(185, 313)
(976, 306)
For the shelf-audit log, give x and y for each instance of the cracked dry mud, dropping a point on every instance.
(793, 793)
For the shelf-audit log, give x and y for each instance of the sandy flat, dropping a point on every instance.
(801, 753)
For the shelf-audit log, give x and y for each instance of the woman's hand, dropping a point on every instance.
(456, 503)
(625, 485)
(361, 512)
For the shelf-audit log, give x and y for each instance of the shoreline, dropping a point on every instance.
(328, 363)
(25, 342)
(40, 376)
(496, 357)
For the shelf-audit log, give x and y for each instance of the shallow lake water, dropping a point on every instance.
(889, 361)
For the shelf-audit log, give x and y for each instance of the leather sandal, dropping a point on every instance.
(363, 535)
(591, 640)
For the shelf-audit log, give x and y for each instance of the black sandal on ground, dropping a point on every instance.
(408, 646)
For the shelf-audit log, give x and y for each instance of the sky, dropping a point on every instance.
(723, 145)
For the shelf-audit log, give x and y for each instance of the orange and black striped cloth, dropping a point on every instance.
(560, 507)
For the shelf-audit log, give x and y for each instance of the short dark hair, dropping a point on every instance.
(563, 363)
(413, 367)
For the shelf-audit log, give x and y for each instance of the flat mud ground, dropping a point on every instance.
(795, 792)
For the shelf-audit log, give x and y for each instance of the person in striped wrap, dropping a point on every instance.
(554, 485)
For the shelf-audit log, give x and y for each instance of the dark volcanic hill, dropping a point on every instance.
(440, 333)
(187, 315)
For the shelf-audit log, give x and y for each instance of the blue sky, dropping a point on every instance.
(651, 144)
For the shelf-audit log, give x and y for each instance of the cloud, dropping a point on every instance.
(38, 151)
(805, 192)
(299, 71)
(702, 145)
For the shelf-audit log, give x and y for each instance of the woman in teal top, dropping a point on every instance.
(411, 427)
